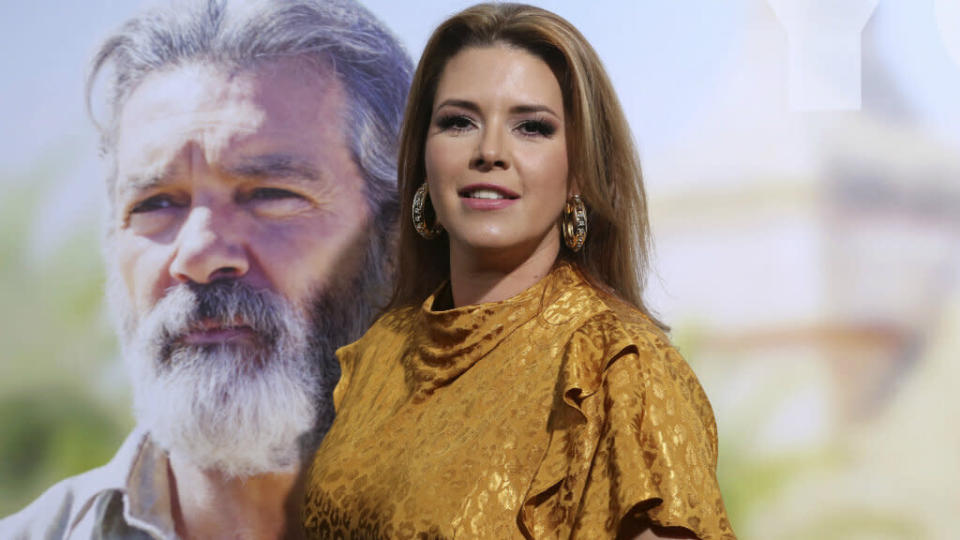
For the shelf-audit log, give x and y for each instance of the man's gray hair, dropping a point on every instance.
(369, 61)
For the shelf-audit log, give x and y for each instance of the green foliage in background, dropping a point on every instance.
(63, 398)
(50, 433)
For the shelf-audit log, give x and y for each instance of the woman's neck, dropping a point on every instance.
(493, 275)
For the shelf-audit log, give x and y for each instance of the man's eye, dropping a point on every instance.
(275, 202)
(152, 204)
(272, 194)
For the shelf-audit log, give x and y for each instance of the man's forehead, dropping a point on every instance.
(194, 87)
(206, 92)
(168, 109)
(285, 103)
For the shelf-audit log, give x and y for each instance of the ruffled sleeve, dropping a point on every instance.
(632, 434)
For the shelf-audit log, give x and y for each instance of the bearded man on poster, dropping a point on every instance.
(251, 205)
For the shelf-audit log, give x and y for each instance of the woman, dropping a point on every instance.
(517, 385)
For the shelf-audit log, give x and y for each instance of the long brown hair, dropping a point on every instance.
(603, 159)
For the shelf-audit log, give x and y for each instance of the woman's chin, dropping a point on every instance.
(503, 249)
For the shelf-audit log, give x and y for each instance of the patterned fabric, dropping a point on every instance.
(555, 413)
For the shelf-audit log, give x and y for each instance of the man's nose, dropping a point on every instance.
(209, 248)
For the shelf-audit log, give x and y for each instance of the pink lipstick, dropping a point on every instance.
(487, 196)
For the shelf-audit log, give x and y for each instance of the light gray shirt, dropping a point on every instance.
(126, 498)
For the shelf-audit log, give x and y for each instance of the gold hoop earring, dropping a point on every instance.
(574, 223)
(420, 199)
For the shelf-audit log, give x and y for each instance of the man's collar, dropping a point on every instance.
(139, 471)
(147, 502)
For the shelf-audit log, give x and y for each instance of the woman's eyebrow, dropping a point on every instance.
(524, 108)
(462, 103)
(532, 108)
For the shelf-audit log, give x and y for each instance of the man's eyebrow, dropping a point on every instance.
(264, 166)
(274, 166)
(139, 183)
(516, 109)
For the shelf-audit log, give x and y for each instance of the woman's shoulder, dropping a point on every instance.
(621, 342)
(612, 327)
(638, 333)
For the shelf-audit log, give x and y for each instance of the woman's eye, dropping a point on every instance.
(455, 122)
(536, 128)
(152, 204)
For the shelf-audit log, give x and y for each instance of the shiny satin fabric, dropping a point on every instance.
(555, 413)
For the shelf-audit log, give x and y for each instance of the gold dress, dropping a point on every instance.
(552, 414)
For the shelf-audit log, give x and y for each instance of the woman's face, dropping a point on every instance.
(496, 154)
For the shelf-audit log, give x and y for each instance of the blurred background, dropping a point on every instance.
(802, 168)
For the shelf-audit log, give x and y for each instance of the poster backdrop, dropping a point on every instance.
(801, 161)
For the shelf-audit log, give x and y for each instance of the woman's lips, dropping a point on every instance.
(487, 197)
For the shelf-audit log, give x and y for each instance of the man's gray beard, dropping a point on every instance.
(239, 408)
